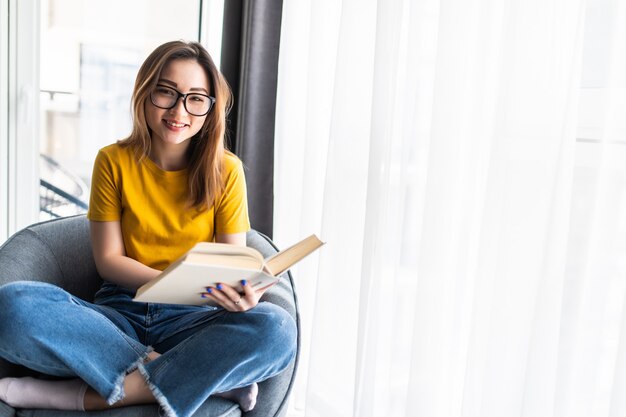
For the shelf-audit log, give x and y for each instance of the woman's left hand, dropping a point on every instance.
(231, 300)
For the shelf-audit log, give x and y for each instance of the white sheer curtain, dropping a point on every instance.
(474, 264)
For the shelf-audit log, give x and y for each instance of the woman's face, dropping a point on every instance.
(175, 126)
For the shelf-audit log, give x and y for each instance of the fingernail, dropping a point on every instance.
(208, 289)
(203, 295)
(243, 282)
(218, 286)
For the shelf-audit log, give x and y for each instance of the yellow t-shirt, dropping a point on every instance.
(151, 204)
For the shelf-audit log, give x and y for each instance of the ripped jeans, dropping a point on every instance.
(204, 350)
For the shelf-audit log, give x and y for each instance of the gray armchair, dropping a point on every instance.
(59, 252)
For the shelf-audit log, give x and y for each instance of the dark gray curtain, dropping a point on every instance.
(249, 61)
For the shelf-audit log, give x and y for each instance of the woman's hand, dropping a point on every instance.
(231, 300)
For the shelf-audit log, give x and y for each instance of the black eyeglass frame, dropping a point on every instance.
(184, 97)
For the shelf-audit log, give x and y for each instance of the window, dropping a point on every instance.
(90, 53)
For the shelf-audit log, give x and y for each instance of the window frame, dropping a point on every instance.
(19, 138)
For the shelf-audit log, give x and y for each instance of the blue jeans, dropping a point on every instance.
(205, 350)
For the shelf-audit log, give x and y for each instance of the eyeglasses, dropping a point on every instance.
(196, 104)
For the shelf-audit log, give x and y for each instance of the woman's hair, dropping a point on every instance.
(206, 149)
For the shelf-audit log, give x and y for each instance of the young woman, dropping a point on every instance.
(155, 194)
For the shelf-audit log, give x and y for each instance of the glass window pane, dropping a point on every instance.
(90, 55)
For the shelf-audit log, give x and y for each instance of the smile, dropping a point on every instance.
(174, 124)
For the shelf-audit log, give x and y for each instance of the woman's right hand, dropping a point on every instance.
(228, 298)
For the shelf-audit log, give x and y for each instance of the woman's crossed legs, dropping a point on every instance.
(70, 335)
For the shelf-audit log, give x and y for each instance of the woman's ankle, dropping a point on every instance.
(94, 401)
(136, 391)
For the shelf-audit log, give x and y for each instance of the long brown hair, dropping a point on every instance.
(206, 149)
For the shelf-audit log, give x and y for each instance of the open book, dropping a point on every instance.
(207, 264)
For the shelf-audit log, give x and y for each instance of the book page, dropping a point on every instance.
(285, 259)
(226, 249)
(186, 283)
(231, 259)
